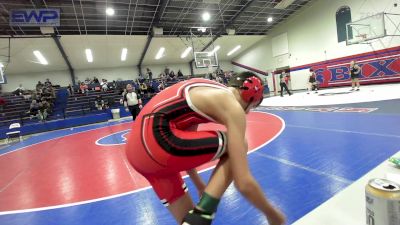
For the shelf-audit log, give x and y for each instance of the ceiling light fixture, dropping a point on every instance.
(234, 50)
(40, 57)
(160, 53)
(206, 16)
(186, 52)
(123, 54)
(214, 50)
(89, 55)
(110, 11)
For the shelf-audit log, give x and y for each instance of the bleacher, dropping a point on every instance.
(69, 109)
(82, 104)
(15, 110)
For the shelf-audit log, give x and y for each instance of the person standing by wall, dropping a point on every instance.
(132, 101)
(282, 83)
(355, 71)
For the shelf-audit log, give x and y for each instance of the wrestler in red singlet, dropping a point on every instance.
(162, 142)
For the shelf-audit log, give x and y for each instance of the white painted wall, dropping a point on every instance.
(157, 69)
(312, 37)
(123, 73)
(29, 80)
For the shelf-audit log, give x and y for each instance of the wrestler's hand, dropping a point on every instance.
(276, 217)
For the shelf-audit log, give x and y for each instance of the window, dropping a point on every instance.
(343, 16)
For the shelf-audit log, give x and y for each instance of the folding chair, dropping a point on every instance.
(14, 132)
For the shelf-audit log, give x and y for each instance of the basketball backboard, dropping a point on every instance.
(205, 59)
(372, 27)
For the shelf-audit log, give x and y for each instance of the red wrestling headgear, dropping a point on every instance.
(250, 85)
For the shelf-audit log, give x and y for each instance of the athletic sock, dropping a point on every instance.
(207, 204)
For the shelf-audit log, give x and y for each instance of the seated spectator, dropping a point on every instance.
(48, 105)
(19, 90)
(87, 81)
(163, 77)
(180, 74)
(83, 88)
(114, 85)
(171, 75)
(99, 103)
(33, 109)
(43, 111)
(161, 86)
(95, 80)
(104, 85)
(154, 86)
(143, 88)
(27, 95)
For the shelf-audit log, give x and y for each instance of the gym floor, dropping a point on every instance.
(306, 150)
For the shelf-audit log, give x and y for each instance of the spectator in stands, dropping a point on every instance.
(132, 101)
(39, 86)
(87, 81)
(171, 76)
(2, 104)
(99, 103)
(161, 86)
(42, 112)
(33, 109)
(163, 77)
(47, 82)
(141, 78)
(49, 106)
(114, 85)
(154, 86)
(70, 90)
(95, 80)
(19, 90)
(83, 88)
(104, 85)
(149, 74)
(180, 74)
(143, 88)
(166, 71)
(282, 83)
